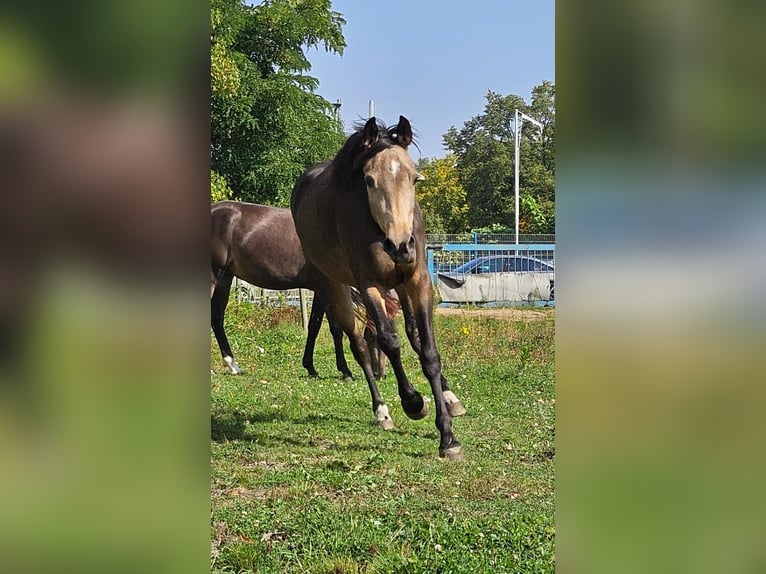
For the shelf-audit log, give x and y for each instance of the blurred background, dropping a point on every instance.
(660, 195)
(104, 412)
(104, 408)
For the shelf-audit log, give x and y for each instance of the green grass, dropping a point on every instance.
(303, 481)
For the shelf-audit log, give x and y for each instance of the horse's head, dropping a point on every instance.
(390, 176)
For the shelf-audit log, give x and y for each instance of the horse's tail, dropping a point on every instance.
(391, 300)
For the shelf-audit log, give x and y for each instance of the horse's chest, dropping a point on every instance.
(332, 258)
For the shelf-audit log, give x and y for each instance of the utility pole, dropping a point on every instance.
(518, 119)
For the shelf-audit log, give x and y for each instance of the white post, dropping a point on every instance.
(371, 109)
(304, 310)
(518, 118)
(516, 141)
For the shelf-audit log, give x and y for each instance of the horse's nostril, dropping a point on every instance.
(388, 245)
(411, 242)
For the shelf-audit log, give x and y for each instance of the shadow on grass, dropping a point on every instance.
(225, 427)
(253, 428)
(335, 378)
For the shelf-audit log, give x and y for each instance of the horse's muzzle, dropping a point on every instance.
(403, 253)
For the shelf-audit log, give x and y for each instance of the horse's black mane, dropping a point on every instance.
(353, 155)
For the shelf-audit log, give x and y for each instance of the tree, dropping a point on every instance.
(441, 196)
(484, 148)
(218, 188)
(267, 123)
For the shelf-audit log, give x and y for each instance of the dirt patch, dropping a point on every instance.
(497, 313)
(240, 492)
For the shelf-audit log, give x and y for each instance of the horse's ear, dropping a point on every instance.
(404, 132)
(371, 133)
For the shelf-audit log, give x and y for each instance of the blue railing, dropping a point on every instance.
(545, 251)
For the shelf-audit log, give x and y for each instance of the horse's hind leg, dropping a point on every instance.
(337, 338)
(318, 310)
(377, 358)
(412, 400)
(342, 309)
(218, 303)
(315, 323)
(454, 406)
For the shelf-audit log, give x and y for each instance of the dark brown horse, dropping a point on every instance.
(258, 244)
(359, 222)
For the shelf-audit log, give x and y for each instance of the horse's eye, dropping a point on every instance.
(369, 181)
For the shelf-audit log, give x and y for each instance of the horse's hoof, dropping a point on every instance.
(347, 378)
(452, 453)
(416, 408)
(233, 366)
(384, 419)
(386, 424)
(454, 407)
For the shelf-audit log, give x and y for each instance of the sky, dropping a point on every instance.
(433, 62)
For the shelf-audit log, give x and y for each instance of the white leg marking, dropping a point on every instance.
(233, 366)
(383, 418)
(454, 406)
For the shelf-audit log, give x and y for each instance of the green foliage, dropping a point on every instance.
(267, 124)
(494, 228)
(484, 148)
(532, 215)
(224, 74)
(441, 196)
(302, 480)
(218, 188)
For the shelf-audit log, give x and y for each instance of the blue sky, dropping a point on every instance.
(433, 62)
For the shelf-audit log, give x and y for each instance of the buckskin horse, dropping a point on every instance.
(360, 224)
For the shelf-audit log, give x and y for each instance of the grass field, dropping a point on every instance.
(303, 481)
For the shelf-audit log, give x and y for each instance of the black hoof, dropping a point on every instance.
(312, 372)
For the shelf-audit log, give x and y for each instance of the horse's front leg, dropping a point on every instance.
(454, 406)
(412, 401)
(421, 297)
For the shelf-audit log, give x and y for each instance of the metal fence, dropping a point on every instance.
(244, 291)
(465, 268)
(437, 239)
(490, 270)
